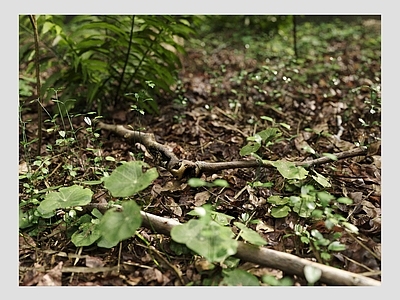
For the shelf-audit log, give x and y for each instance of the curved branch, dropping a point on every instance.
(269, 258)
(185, 168)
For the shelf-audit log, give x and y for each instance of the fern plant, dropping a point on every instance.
(102, 60)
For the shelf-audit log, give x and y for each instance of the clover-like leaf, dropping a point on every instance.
(129, 179)
(65, 197)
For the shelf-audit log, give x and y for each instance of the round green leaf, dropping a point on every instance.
(87, 234)
(280, 211)
(118, 225)
(129, 179)
(65, 197)
(336, 246)
(208, 239)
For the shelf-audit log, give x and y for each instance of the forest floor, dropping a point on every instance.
(325, 101)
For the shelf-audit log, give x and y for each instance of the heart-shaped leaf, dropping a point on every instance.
(129, 179)
(208, 239)
(119, 224)
(65, 197)
(312, 274)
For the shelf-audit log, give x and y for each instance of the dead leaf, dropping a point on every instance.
(32, 277)
(173, 206)
(94, 262)
(23, 168)
(53, 277)
(201, 198)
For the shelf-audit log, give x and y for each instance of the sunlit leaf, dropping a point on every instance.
(344, 200)
(336, 246)
(277, 200)
(312, 274)
(250, 235)
(288, 169)
(350, 227)
(321, 180)
(280, 212)
(207, 238)
(129, 179)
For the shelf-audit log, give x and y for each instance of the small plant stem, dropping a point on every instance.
(126, 61)
(144, 57)
(38, 86)
(119, 257)
(294, 35)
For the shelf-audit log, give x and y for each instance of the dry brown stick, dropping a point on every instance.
(185, 168)
(286, 262)
(161, 153)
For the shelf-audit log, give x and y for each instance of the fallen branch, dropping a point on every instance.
(185, 168)
(285, 262)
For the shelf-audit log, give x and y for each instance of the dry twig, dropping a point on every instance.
(185, 168)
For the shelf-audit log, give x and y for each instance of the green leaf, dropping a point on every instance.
(288, 169)
(220, 182)
(280, 211)
(250, 235)
(269, 134)
(278, 200)
(221, 218)
(251, 147)
(350, 227)
(197, 182)
(312, 274)
(87, 234)
(65, 197)
(129, 179)
(273, 281)
(325, 198)
(344, 200)
(321, 180)
(305, 206)
(336, 246)
(207, 238)
(239, 277)
(117, 225)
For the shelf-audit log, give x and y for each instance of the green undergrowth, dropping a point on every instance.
(58, 188)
